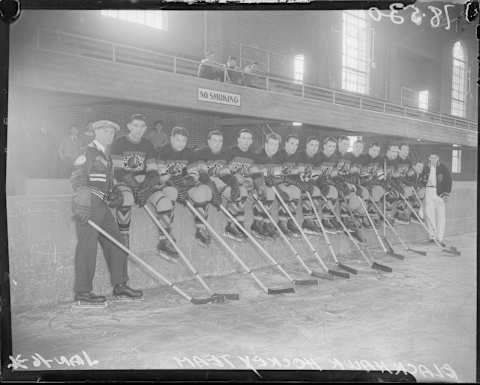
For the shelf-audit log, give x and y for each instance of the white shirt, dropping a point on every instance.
(432, 177)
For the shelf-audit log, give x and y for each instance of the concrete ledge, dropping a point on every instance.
(42, 240)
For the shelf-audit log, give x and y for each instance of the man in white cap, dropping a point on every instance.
(92, 182)
(438, 188)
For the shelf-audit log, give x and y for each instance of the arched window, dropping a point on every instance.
(356, 51)
(458, 80)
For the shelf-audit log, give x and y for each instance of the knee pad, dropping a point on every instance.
(292, 191)
(269, 194)
(315, 192)
(355, 204)
(161, 203)
(127, 194)
(170, 192)
(377, 193)
(200, 194)
(332, 193)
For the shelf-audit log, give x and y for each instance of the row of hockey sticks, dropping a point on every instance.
(372, 264)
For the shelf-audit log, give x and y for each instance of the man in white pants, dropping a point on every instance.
(438, 188)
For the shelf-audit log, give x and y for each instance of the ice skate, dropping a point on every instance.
(294, 231)
(203, 236)
(310, 227)
(166, 250)
(233, 232)
(258, 230)
(122, 292)
(284, 228)
(89, 300)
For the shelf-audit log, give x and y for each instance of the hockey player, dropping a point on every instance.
(289, 158)
(215, 159)
(393, 188)
(242, 157)
(174, 159)
(406, 179)
(266, 172)
(357, 168)
(307, 160)
(135, 170)
(328, 169)
(372, 177)
(92, 181)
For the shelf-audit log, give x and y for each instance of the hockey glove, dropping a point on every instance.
(115, 199)
(130, 181)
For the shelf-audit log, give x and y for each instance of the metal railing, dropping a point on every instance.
(86, 47)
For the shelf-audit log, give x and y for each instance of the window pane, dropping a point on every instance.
(355, 51)
(154, 19)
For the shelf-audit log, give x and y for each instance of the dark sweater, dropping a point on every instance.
(444, 179)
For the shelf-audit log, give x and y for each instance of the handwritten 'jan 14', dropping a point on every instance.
(37, 360)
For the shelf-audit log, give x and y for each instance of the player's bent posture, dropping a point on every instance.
(289, 158)
(372, 176)
(306, 162)
(241, 159)
(180, 171)
(406, 178)
(212, 160)
(92, 181)
(136, 174)
(392, 186)
(266, 173)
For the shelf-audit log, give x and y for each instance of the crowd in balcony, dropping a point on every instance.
(251, 75)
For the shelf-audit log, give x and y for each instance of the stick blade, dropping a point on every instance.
(232, 296)
(281, 291)
(396, 255)
(378, 266)
(451, 251)
(317, 274)
(347, 268)
(340, 274)
(201, 301)
(420, 252)
(305, 282)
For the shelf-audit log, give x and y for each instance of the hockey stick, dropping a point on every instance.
(304, 282)
(373, 265)
(314, 251)
(215, 296)
(264, 252)
(388, 251)
(392, 228)
(327, 239)
(195, 301)
(451, 250)
(230, 250)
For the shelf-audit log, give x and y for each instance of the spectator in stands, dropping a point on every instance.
(156, 135)
(234, 72)
(209, 68)
(253, 76)
(68, 151)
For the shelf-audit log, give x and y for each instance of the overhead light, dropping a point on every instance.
(455, 145)
(297, 124)
(419, 140)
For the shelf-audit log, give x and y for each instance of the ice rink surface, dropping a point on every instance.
(420, 317)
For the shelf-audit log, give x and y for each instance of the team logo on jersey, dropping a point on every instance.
(176, 168)
(134, 161)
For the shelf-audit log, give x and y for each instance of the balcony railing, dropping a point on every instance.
(78, 45)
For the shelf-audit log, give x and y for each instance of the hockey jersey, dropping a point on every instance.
(270, 164)
(131, 157)
(241, 161)
(373, 169)
(328, 164)
(175, 162)
(213, 161)
(343, 163)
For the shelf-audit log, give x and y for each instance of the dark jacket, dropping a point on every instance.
(444, 179)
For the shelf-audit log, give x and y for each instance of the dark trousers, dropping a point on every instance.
(86, 250)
